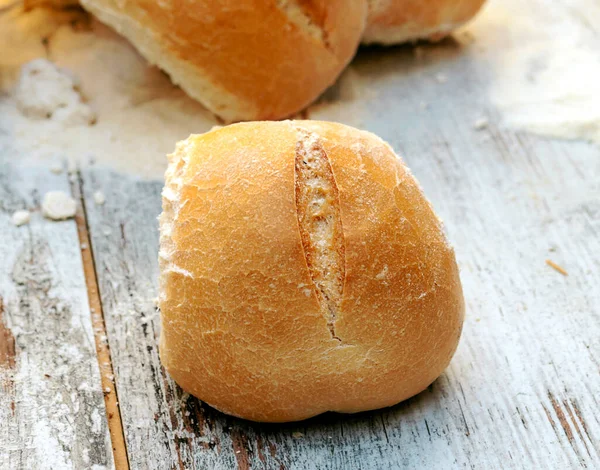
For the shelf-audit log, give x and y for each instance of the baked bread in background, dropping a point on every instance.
(243, 59)
(302, 271)
(29, 4)
(266, 59)
(398, 21)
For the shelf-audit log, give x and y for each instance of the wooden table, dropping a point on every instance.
(81, 385)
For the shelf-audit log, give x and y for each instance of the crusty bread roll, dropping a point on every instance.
(397, 21)
(29, 4)
(243, 59)
(302, 270)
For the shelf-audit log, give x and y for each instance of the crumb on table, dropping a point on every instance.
(556, 267)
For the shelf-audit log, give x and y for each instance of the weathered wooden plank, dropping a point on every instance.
(113, 413)
(522, 389)
(52, 413)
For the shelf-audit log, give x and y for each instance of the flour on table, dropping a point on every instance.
(44, 91)
(97, 100)
(56, 168)
(99, 198)
(544, 60)
(441, 78)
(58, 205)
(86, 96)
(21, 218)
(480, 124)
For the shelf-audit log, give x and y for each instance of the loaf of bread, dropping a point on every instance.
(29, 4)
(243, 59)
(398, 21)
(302, 271)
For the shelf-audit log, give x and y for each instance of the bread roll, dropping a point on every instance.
(397, 21)
(243, 59)
(302, 271)
(29, 4)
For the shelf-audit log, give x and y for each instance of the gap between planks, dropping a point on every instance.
(109, 386)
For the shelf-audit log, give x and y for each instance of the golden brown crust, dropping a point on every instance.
(397, 21)
(243, 59)
(29, 4)
(242, 324)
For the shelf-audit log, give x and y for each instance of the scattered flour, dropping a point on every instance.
(58, 205)
(21, 218)
(56, 168)
(480, 124)
(544, 60)
(441, 78)
(46, 92)
(91, 97)
(99, 198)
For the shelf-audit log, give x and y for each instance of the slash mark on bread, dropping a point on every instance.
(309, 17)
(320, 223)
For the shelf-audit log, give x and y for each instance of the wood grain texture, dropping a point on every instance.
(522, 389)
(107, 377)
(52, 413)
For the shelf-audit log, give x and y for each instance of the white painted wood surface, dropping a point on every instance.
(523, 390)
(52, 413)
